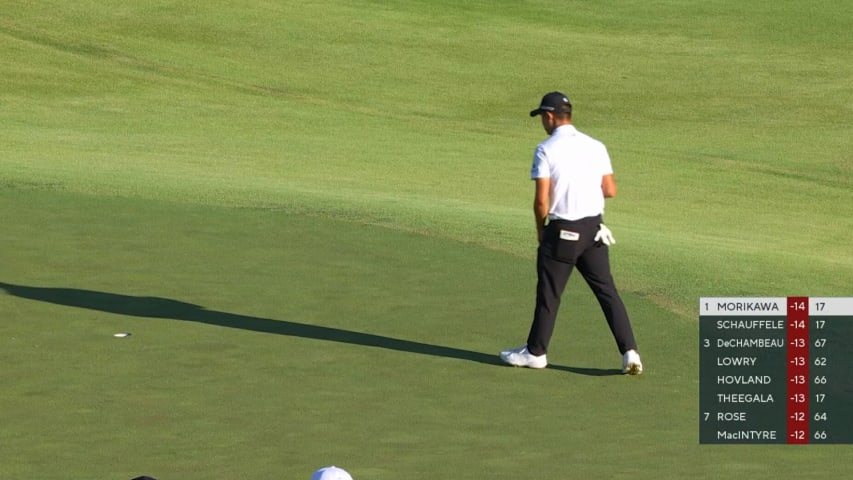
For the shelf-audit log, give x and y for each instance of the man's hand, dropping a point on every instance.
(541, 204)
(604, 235)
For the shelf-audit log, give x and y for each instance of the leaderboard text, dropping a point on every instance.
(775, 370)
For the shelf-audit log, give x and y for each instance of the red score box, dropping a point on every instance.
(798, 370)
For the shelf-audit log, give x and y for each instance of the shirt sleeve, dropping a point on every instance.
(606, 164)
(541, 168)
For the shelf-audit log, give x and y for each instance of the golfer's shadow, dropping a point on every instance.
(156, 307)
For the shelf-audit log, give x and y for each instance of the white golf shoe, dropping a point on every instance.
(520, 357)
(631, 363)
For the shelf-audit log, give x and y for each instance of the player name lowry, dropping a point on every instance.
(736, 361)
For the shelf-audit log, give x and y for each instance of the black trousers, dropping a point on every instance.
(564, 246)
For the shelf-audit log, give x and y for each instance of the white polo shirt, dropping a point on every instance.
(575, 163)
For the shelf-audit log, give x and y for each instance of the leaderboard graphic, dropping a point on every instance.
(776, 370)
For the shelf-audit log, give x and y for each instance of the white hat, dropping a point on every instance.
(331, 473)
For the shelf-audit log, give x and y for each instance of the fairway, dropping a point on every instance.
(314, 221)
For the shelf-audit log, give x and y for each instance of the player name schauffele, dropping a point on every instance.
(750, 324)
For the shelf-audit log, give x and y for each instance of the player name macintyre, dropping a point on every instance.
(747, 435)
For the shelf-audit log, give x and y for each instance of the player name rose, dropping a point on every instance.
(731, 416)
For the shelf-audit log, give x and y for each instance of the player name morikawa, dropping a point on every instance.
(747, 324)
(745, 398)
(747, 435)
(748, 306)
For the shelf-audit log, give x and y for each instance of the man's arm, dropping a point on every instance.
(541, 204)
(608, 186)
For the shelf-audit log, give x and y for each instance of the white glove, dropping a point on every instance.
(604, 235)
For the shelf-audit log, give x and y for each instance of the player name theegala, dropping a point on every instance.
(747, 324)
(745, 398)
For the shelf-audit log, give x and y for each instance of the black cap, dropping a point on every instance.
(553, 102)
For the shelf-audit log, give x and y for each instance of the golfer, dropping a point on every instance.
(573, 176)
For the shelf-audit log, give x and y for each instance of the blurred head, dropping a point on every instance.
(331, 473)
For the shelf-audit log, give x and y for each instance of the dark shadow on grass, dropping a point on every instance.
(157, 307)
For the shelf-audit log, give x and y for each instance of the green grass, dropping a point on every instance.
(315, 219)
